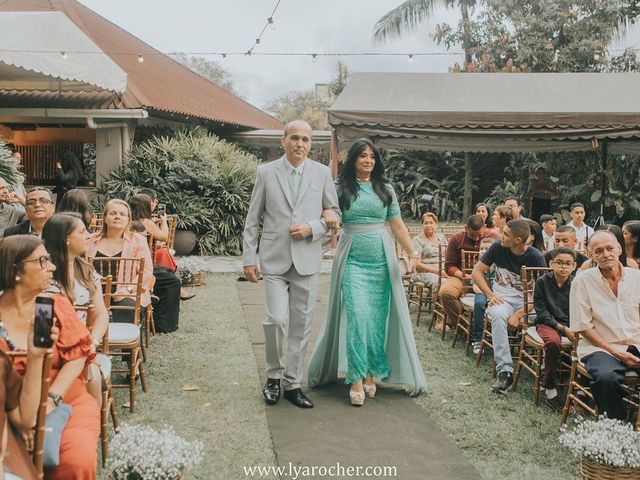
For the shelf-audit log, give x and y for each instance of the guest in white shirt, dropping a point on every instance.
(604, 310)
(548, 231)
(583, 231)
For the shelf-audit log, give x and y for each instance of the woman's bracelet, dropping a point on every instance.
(415, 254)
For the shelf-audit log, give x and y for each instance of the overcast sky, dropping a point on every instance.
(305, 26)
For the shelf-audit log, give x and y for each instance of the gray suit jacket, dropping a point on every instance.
(272, 208)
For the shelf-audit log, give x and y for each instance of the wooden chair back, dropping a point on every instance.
(96, 223)
(39, 430)
(172, 223)
(529, 275)
(152, 243)
(450, 230)
(469, 260)
(128, 274)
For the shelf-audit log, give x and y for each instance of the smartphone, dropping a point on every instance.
(43, 322)
(161, 209)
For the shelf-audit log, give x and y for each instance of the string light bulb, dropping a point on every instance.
(257, 41)
(64, 54)
(224, 55)
(271, 23)
(596, 56)
(411, 58)
(314, 58)
(503, 55)
(140, 59)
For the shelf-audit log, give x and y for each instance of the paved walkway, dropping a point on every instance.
(390, 430)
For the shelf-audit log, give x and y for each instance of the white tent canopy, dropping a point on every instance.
(482, 112)
(32, 45)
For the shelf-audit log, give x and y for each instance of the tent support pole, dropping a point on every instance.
(603, 182)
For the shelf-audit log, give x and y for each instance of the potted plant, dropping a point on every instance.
(192, 271)
(608, 449)
(139, 452)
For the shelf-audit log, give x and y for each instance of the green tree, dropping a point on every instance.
(209, 69)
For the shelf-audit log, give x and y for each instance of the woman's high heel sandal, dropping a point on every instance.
(357, 397)
(369, 389)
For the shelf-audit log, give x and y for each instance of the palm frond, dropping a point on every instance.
(403, 19)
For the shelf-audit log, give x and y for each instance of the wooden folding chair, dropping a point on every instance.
(464, 322)
(39, 430)
(108, 400)
(531, 349)
(450, 230)
(172, 223)
(423, 296)
(125, 337)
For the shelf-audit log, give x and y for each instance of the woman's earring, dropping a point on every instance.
(18, 278)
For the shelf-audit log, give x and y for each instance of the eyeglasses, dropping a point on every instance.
(44, 260)
(563, 264)
(34, 201)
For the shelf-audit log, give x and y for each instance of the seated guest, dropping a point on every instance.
(566, 237)
(167, 285)
(548, 231)
(116, 240)
(453, 287)
(428, 244)
(501, 215)
(11, 207)
(617, 231)
(65, 238)
(39, 207)
(535, 238)
(516, 207)
(509, 256)
(480, 300)
(28, 273)
(583, 231)
(604, 310)
(76, 200)
(551, 304)
(482, 209)
(631, 233)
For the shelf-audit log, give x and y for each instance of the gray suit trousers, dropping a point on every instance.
(289, 302)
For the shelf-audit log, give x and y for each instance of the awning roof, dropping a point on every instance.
(32, 45)
(485, 112)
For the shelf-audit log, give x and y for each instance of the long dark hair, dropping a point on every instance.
(633, 227)
(76, 200)
(617, 231)
(140, 205)
(489, 221)
(347, 183)
(536, 231)
(54, 235)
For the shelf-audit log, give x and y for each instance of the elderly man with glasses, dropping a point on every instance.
(11, 207)
(40, 208)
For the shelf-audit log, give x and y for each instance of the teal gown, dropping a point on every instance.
(367, 327)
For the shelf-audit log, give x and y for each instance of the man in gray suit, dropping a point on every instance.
(288, 200)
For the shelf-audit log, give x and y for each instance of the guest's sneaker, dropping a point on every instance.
(476, 347)
(505, 379)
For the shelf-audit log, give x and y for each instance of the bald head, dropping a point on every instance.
(297, 125)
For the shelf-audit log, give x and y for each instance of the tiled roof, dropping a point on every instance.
(159, 83)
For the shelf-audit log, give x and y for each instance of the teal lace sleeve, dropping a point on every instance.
(393, 210)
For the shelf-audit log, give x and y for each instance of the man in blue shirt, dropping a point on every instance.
(509, 256)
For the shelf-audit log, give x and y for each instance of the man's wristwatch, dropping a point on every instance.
(57, 399)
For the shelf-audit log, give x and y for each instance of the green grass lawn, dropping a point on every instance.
(506, 437)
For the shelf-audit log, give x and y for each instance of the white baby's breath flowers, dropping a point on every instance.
(188, 267)
(139, 452)
(606, 441)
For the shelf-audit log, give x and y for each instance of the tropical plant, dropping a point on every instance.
(206, 181)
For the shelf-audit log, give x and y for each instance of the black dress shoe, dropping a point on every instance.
(187, 297)
(298, 398)
(271, 391)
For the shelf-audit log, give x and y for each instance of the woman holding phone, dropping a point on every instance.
(27, 273)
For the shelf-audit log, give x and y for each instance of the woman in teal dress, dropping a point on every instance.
(367, 332)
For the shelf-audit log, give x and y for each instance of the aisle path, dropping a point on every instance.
(390, 430)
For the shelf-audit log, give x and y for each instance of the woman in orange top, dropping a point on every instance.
(27, 273)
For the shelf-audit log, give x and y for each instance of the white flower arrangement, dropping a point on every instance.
(606, 441)
(139, 452)
(189, 267)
